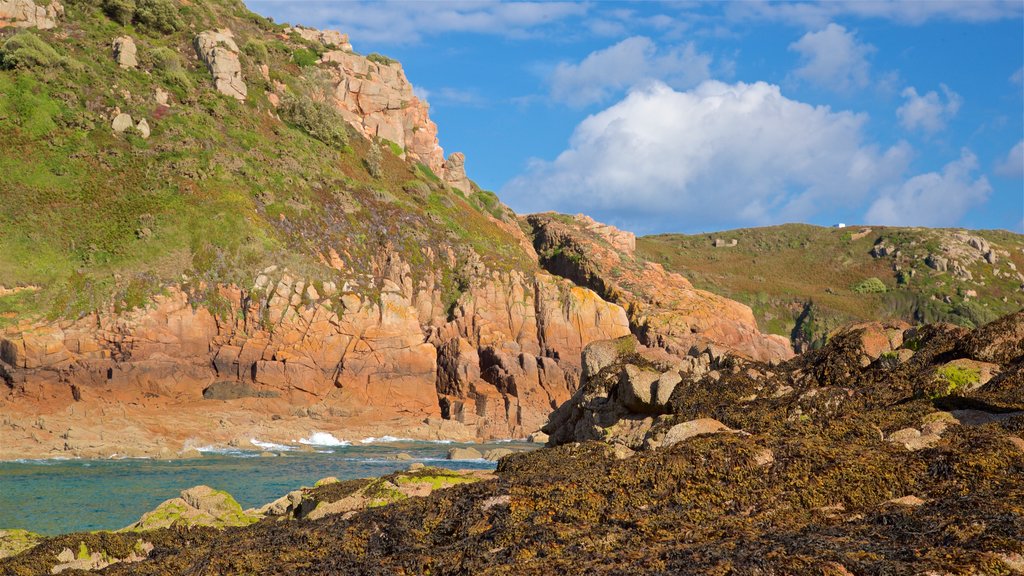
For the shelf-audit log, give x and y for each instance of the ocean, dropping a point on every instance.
(60, 496)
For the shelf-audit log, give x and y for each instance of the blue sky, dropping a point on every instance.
(693, 117)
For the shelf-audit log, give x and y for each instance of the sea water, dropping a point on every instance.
(59, 496)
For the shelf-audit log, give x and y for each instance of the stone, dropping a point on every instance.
(603, 353)
(162, 96)
(197, 506)
(125, 52)
(455, 172)
(143, 128)
(464, 454)
(29, 14)
(537, 438)
(692, 428)
(122, 122)
(217, 49)
(496, 454)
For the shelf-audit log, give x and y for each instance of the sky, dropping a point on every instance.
(695, 117)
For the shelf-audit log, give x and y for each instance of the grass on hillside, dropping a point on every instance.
(779, 270)
(219, 191)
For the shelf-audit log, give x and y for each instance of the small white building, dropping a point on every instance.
(840, 225)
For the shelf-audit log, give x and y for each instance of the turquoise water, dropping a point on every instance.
(58, 496)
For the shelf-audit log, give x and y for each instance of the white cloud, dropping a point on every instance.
(933, 199)
(1018, 76)
(1013, 165)
(630, 62)
(814, 14)
(398, 22)
(833, 58)
(718, 155)
(928, 113)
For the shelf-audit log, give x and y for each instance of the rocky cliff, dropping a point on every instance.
(234, 229)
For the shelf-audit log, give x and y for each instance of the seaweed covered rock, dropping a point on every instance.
(198, 506)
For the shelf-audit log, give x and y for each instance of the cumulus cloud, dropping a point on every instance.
(901, 11)
(928, 112)
(401, 22)
(833, 58)
(933, 199)
(1013, 165)
(628, 63)
(718, 155)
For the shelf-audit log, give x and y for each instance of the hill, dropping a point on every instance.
(803, 281)
(216, 227)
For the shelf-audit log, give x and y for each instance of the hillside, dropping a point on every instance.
(216, 228)
(803, 281)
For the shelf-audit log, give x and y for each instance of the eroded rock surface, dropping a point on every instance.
(29, 14)
(217, 49)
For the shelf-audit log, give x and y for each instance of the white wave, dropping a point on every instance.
(270, 445)
(323, 439)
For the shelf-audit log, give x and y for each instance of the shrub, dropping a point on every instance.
(304, 57)
(120, 11)
(165, 59)
(870, 286)
(26, 50)
(318, 119)
(381, 59)
(256, 50)
(159, 15)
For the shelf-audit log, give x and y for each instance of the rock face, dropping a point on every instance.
(665, 310)
(217, 49)
(29, 14)
(376, 98)
(455, 172)
(508, 353)
(125, 52)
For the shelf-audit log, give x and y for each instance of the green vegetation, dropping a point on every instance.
(956, 378)
(316, 118)
(869, 286)
(26, 50)
(778, 270)
(381, 59)
(221, 189)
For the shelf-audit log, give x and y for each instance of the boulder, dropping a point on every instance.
(455, 172)
(687, 430)
(125, 52)
(197, 506)
(122, 122)
(1001, 341)
(217, 49)
(464, 454)
(496, 454)
(143, 128)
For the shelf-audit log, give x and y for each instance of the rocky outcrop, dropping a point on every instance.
(375, 97)
(455, 172)
(642, 398)
(197, 506)
(328, 38)
(665, 309)
(29, 14)
(125, 52)
(217, 49)
(495, 365)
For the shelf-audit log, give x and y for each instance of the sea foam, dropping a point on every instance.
(323, 439)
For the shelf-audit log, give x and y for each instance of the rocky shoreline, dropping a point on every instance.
(893, 449)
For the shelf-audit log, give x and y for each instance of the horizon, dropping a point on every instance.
(637, 113)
